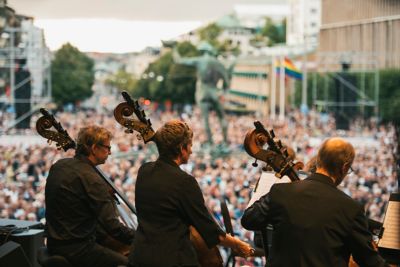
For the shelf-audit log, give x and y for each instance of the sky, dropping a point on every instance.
(121, 26)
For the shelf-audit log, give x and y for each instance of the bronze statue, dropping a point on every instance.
(212, 81)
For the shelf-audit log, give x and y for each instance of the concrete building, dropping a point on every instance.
(362, 30)
(137, 63)
(240, 27)
(253, 16)
(22, 45)
(250, 86)
(38, 57)
(303, 22)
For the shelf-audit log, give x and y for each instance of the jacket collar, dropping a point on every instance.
(168, 161)
(322, 179)
(84, 159)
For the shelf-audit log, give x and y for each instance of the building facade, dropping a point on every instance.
(367, 27)
(303, 23)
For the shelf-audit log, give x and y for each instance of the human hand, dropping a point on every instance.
(243, 249)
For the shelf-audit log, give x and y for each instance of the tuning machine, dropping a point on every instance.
(255, 164)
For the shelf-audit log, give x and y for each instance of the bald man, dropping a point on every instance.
(315, 224)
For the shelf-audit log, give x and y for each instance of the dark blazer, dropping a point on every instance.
(315, 224)
(77, 200)
(168, 201)
(77, 203)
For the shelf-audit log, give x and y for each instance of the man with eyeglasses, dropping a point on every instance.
(78, 204)
(315, 224)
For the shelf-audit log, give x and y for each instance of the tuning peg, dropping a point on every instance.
(272, 133)
(286, 153)
(128, 131)
(139, 137)
(279, 143)
(255, 164)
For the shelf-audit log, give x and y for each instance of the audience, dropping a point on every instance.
(24, 168)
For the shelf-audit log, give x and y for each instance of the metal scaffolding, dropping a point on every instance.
(17, 44)
(364, 67)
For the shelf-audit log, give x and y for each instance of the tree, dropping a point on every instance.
(72, 75)
(276, 33)
(389, 96)
(210, 33)
(164, 80)
(122, 80)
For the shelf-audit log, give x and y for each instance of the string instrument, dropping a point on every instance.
(142, 125)
(207, 257)
(60, 136)
(65, 142)
(279, 158)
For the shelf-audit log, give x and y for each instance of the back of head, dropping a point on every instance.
(89, 136)
(171, 137)
(333, 155)
(311, 165)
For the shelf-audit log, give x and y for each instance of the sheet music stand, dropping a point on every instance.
(389, 245)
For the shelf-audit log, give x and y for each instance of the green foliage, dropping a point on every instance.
(389, 96)
(276, 33)
(210, 33)
(72, 75)
(323, 88)
(164, 80)
(123, 81)
(227, 47)
(259, 41)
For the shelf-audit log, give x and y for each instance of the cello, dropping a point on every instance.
(277, 156)
(280, 158)
(207, 257)
(63, 141)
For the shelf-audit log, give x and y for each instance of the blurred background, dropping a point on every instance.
(309, 69)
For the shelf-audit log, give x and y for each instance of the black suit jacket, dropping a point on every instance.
(168, 201)
(77, 201)
(315, 224)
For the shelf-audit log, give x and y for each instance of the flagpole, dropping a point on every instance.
(282, 89)
(304, 92)
(304, 81)
(273, 88)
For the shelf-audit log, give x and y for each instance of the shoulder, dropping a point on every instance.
(350, 203)
(64, 165)
(189, 179)
(146, 166)
(278, 187)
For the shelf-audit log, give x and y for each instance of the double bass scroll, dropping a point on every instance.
(207, 257)
(277, 156)
(65, 142)
(61, 136)
(142, 125)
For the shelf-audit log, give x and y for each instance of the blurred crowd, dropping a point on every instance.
(24, 166)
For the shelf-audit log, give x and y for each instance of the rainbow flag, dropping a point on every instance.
(290, 69)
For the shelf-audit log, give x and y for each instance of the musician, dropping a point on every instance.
(315, 224)
(78, 201)
(168, 201)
